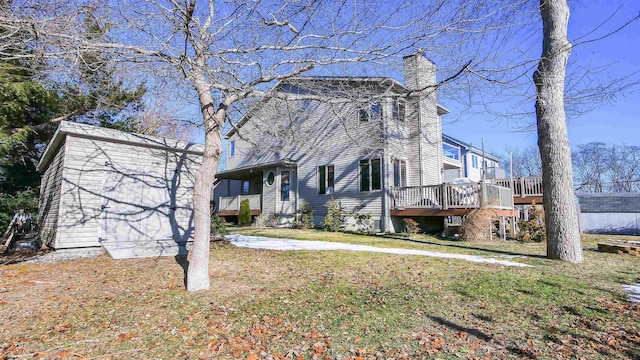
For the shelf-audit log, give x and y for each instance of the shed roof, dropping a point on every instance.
(111, 135)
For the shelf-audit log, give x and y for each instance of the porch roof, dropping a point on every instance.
(246, 171)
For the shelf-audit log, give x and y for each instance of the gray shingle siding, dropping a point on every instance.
(50, 190)
(336, 140)
(89, 158)
(609, 203)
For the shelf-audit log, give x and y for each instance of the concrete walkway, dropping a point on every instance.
(265, 243)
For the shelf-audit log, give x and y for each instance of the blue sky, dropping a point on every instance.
(615, 56)
(613, 122)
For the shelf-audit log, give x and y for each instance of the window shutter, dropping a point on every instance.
(396, 172)
(364, 175)
(322, 181)
(376, 183)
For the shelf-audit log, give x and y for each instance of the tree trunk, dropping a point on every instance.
(198, 271)
(561, 215)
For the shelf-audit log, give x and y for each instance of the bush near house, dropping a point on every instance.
(335, 219)
(218, 226)
(533, 230)
(244, 217)
(263, 220)
(305, 216)
(364, 223)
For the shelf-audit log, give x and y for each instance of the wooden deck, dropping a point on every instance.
(448, 212)
(451, 199)
(525, 189)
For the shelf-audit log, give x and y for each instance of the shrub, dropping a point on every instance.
(334, 221)
(364, 223)
(244, 218)
(218, 226)
(270, 220)
(532, 230)
(411, 226)
(478, 224)
(305, 217)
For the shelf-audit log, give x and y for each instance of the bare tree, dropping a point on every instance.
(599, 167)
(624, 168)
(591, 165)
(561, 217)
(526, 162)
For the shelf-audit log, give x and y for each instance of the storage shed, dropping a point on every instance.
(128, 192)
(610, 213)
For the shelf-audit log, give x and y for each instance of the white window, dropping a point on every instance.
(450, 151)
(245, 187)
(398, 107)
(370, 111)
(474, 161)
(370, 175)
(285, 182)
(399, 172)
(326, 179)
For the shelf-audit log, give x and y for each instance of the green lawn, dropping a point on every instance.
(330, 304)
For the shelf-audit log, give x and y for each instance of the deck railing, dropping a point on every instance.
(232, 203)
(498, 196)
(525, 186)
(429, 197)
(452, 196)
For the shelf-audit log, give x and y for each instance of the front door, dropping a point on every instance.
(286, 192)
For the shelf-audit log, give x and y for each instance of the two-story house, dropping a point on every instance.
(371, 143)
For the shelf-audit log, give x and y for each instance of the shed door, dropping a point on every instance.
(135, 206)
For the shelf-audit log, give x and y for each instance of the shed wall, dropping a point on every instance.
(87, 163)
(610, 213)
(49, 203)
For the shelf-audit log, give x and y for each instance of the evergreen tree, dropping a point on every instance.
(32, 103)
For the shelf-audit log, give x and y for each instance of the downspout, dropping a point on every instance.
(295, 216)
(420, 143)
(385, 193)
(385, 210)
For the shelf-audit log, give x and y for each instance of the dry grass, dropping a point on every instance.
(477, 225)
(323, 305)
